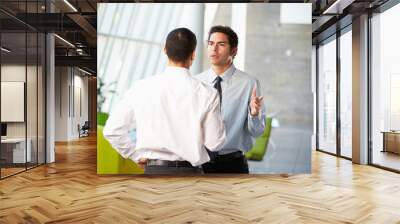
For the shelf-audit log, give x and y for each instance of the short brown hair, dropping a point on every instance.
(232, 36)
(180, 44)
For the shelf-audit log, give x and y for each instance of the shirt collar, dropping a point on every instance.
(225, 76)
(177, 70)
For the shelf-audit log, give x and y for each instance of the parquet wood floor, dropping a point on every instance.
(70, 191)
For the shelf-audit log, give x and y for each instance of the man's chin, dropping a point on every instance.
(215, 63)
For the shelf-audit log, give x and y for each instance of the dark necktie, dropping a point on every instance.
(217, 85)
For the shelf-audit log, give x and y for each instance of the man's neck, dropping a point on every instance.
(219, 70)
(180, 65)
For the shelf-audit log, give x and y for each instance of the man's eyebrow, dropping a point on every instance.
(219, 42)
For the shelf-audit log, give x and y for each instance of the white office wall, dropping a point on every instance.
(71, 102)
(13, 73)
(80, 102)
(61, 103)
(82, 83)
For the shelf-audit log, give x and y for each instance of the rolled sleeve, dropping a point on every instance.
(118, 126)
(256, 124)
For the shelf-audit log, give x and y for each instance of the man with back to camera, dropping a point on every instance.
(175, 115)
(242, 108)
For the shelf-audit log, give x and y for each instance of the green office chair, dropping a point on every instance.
(102, 118)
(109, 161)
(260, 146)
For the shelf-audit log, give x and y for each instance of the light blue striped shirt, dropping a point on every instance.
(240, 126)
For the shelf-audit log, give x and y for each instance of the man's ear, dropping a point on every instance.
(193, 56)
(165, 50)
(234, 52)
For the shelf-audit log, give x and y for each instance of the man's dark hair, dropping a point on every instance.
(232, 36)
(180, 44)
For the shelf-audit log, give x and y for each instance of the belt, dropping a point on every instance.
(237, 154)
(167, 163)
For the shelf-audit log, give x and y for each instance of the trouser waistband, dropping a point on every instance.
(167, 163)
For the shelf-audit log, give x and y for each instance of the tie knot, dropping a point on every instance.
(218, 79)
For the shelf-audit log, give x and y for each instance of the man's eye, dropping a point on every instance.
(221, 44)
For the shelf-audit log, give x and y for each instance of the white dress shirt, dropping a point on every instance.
(175, 117)
(240, 126)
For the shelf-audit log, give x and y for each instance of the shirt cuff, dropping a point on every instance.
(254, 118)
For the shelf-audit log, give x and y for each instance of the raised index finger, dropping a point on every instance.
(254, 92)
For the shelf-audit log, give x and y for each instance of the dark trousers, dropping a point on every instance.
(234, 162)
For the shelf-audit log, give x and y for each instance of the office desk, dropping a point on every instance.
(15, 148)
(391, 141)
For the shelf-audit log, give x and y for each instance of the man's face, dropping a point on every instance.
(219, 51)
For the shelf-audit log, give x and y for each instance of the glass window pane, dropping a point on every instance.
(13, 85)
(31, 97)
(386, 89)
(22, 63)
(327, 97)
(346, 94)
(41, 99)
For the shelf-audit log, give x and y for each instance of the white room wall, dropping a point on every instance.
(70, 83)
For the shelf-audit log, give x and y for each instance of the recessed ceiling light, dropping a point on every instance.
(84, 71)
(70, 5)
(5, 50)
(338, 6)
(64, 40)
